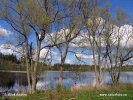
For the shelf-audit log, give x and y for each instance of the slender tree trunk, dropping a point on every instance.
(28, 69)
(96, 72)
(63, 57)
(34, 74)
(61, 72)
(61, 76)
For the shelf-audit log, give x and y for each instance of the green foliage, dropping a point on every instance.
(73, 67)
(91, 94)
(59, 88)
(9, 57)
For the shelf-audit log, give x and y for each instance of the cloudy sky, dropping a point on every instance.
(7, 34)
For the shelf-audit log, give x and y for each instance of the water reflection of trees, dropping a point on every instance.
(7, 80)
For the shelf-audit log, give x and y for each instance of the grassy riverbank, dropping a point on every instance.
(122, 92)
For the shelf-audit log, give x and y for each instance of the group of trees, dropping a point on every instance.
(73, 67)
(59, 24)
(10, 62)
(9, 57)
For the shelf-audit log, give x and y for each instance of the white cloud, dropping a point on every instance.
(52, 55)
(10, 49)
(68, 61)
(4, 32)
(81, 40)
(85, 56)
(131, 60)
(125, 33)
(44, 52)
(80, 55)
(61, 36)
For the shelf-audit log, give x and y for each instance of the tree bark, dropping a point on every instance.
(28, 69)
(34, 73)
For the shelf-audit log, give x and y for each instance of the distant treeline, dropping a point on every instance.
(10, 62)
(73, 67)
(77, 67)
(9, 57)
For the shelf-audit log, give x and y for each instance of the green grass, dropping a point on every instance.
(95, 95)
(84, 94)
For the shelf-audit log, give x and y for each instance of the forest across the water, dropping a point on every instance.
(10, 62)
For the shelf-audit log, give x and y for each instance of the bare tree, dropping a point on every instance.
(25, 21)
(117, 39)
(94, 22)
(63, 38)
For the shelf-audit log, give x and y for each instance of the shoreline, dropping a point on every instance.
(12, 71)
(9, 71)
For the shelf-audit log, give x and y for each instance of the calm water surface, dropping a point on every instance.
(17, 82)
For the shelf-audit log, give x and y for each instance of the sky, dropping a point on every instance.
(126, 5)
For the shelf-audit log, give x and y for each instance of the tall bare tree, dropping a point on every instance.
(95, 27)
(70, 29)
(26, 21)
(118, 45)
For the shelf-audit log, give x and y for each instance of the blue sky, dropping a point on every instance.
(126, 5)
